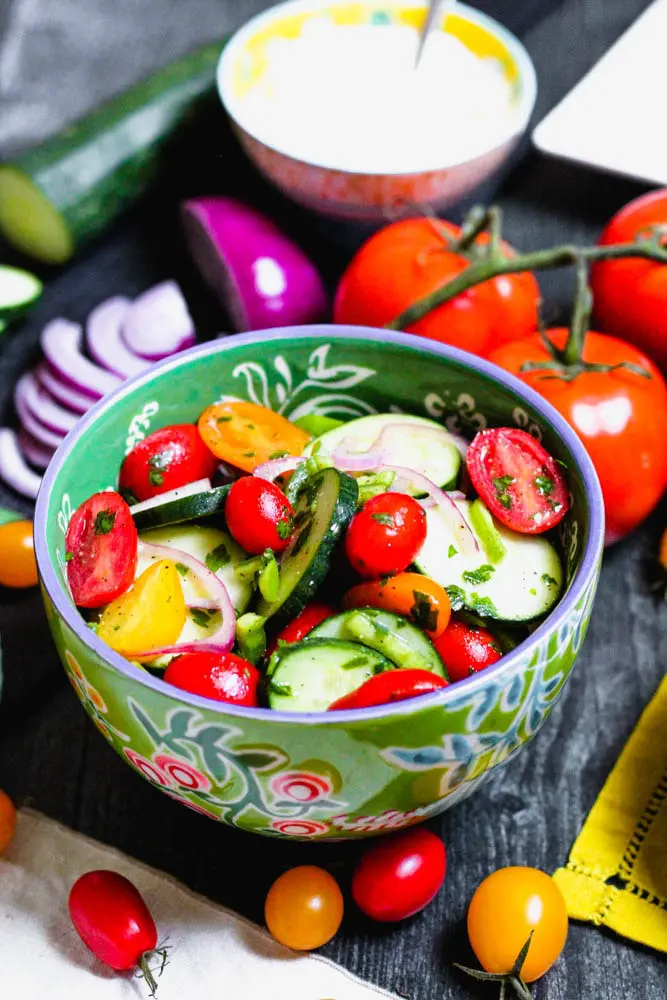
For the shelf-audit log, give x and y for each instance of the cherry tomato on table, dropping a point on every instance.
(619, 415)
(630, 295)
(505, 908)
(517, 479)
(466, 649)
(171, 457)
(220, 676)
(412, 595)
(101, 546)
(18, 567)
(400, 875)
(247, 435)
(259, 515)
(304, 908)
(313, 614)
(394, 685)
(385, 535)
(408, 260)
(7, 821)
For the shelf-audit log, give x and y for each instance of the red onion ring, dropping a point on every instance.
(61, 343)
(30, 395)
(105, 343)
(158, 323)
(75, 401)
(35, 427)
(277, 467)
(35, 453)
(13, 468)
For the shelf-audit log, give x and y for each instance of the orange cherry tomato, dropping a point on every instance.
(7, 821)
(246, 434)
(304, 908)
(505, 908)
(417, 597)
(18, 567)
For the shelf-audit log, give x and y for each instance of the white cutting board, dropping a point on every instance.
(615, 119)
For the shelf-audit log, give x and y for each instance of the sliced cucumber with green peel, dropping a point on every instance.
(179, 505)
(251, 637)
(18, 291)
(68, 190)
(393, 636)
(432, 454)
(317, 423)
(323, 509)
(525, 584)
(310, 676)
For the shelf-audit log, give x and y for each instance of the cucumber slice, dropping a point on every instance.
(323, 509)
(186, 503)
(393, 636)
(524, 585)
(215, 548)
(251, 637)
(317, 423)
(68, 190)
(434, 455)
(310, 676)
(18, 291)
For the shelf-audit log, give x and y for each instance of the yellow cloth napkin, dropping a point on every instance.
(616, 876)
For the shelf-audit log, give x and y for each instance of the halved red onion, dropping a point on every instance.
(436, 498)
(365, 461)
(29, 394)
(61, 343)
(179, 493)
(64, 394)
(37, 454)
(45, 436)
(14, 470)
(158, 323)
(277, 467)
(105, 342)
(223, 640)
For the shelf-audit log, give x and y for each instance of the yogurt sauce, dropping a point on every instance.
(350, 97)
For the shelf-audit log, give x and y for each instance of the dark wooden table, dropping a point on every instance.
(56, 58)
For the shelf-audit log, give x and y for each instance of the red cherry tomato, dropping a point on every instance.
(171, 457)
(259, 515)
(220, 676)
(408, 260)
(101, 547)
(394, 685)
(400, 875)
(385, 535)
(630, 295)
(619, 415)
(466, 649)
(312, 615)
(518, 480)
(112, 920)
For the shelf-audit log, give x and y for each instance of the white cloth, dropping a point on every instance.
(215, 954)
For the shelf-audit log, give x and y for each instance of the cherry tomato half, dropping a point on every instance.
(466, 649)
(518, 480)
(247, 435)
(7, 821)
(313, 614)
(304, 908)
(400, 875)
(259, 515)
(171, 457)
(220, 676)
(505, 908)
(412, 595)
(385, 535)
(17, 555)
(394, 685)
(101, 545)
(112, 919)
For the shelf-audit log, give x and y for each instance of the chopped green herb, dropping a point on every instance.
(452, 551)
(251, 427)
(155, 477)
(285, 527)
(401, 623)
(93, 626)
(501, 485)
(385, 519)
(457, 597)
(533, 592)
(482, 606)
(549, 580)
(283, 690)
(200, 617)
(104, 522)
(545, 485)
(422, 612)
(182, 568)
(116, 628)
(248, 454)
(69, 556)
(356, 661)
(278, 454)
(481, 575)
(217, 558)
(223, 420)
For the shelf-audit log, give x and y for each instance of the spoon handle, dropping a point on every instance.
(435, 7)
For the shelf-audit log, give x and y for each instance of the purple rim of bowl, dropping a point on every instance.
(584, 574)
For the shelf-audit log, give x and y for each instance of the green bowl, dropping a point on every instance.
(344, 774)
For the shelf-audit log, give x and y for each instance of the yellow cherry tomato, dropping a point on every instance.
(17, 555)
(150, 615)
(304, 908)
(246, 434)
(505, 908)
(7, 821)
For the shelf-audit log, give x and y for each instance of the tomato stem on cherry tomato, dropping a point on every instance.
(512, 979)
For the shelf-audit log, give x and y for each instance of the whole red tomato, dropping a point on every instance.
(259, 515)
(630, 295)
(408, 260)
(385, 535)
(400, 875)
(168, 458)
(220, 676)
(620, 416)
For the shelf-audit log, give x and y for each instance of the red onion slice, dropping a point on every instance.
(33, 451)
(64, 394)
(34, 427)
(61, 343)
(223, 640)
(30, 395)
(105, 343)
(13, 468)
(158, 323)
(277, 467)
